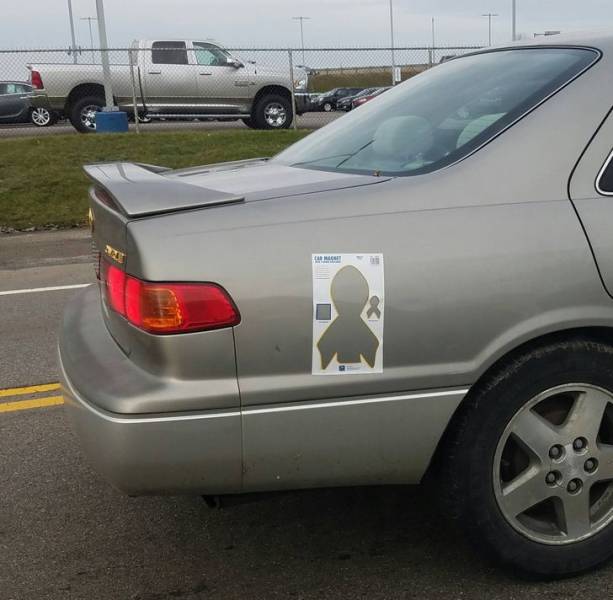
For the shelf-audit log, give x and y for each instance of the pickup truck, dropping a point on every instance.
(173, 79)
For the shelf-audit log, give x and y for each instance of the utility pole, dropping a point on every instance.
(433, 43)
(392, 41)
(489, 26)
(74, 42)
(514, 19)
(104, 55)
(91, 34)
(302, 20)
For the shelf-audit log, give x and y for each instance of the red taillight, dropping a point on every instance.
(115, 284)
(37, 80)
(164, 308)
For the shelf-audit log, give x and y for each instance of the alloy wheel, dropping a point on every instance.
(553, 468)
(41, 117)
(275, 115)
(88, 116)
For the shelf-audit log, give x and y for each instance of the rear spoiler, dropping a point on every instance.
(143, 190)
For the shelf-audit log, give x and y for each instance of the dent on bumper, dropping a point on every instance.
(146, 453)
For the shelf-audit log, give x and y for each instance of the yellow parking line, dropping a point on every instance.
(27, 404)
(33, 389)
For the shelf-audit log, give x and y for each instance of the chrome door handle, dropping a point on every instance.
(155, 72)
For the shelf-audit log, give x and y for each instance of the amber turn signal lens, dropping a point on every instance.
(160, 309)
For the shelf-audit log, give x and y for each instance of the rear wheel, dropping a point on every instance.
(273, 111)
(530, 465)
(327, 106)
(82, 113)
(41, 117)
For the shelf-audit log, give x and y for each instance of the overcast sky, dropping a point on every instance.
(267, 23)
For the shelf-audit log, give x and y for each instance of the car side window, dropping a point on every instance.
(604, 182)
(210, 55)
(169, 53)
(11, 88)
(2, 89)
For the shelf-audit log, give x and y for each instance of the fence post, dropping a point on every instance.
(291, 84)
(133, 80)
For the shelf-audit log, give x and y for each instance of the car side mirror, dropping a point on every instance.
(233, 62)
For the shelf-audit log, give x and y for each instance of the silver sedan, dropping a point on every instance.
(420, 290)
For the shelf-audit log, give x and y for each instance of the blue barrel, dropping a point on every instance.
(111, 122)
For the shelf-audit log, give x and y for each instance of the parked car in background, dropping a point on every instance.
(16, 105)
(328, 101)
(346, 103)
(419, 290)
(368, 97)
(175, 80)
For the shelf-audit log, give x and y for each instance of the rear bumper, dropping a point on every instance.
(39, 99)
(163, 453)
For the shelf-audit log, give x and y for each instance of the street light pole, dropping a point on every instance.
(91, 34)
(433, 43)
(514, 19)
(302, 19)
(489, 25)
(392, 41)
(74, 42)
(104, 45)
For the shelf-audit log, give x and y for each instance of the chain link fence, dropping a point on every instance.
(178, 85)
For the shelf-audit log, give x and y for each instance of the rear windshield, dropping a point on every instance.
(440, 116)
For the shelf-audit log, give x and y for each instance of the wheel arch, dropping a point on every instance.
(82, 90)
(596, 334)
(271, 89)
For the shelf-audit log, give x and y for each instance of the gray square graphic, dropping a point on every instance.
(323, 312)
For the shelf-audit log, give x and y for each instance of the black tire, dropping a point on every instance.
(75, 116)
(467, 471)
(249, 122)
(264, 120)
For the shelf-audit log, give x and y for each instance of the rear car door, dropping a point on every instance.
(170, 78)
(591, 191)
(14, 102)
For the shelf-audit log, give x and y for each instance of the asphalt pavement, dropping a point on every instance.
(66, 534)
(312, 120)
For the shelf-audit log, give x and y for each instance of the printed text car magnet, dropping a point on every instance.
(348, 307)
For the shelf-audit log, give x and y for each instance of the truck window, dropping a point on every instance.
(210, 55)
(169, 53)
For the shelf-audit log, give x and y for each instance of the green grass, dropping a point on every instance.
(364, 78)
(42, 183)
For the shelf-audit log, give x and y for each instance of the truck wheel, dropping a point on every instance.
(529, 467)
(82, 113)
(273, 112)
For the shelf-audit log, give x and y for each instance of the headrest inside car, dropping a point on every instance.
(402, 138)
